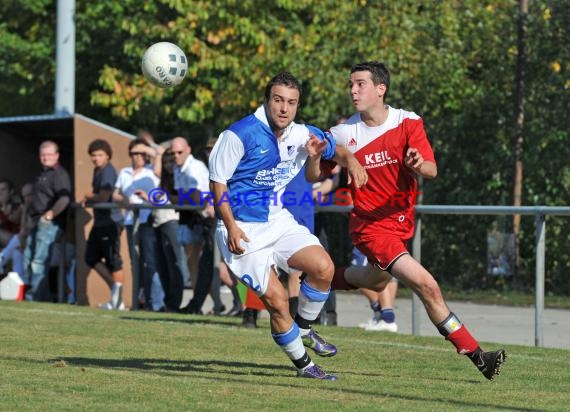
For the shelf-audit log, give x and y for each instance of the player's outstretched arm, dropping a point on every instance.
(356, 172)
(315, 148)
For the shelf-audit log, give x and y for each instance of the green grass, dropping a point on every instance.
(58, 357)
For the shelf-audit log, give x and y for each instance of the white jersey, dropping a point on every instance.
(192, 175)
(128, 182)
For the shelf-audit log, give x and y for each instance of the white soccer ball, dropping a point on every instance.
(164, 64)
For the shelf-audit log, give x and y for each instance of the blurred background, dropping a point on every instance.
(490, 79)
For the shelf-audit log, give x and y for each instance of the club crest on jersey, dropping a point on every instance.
(290, 150)
(378, 159)
(352, 142)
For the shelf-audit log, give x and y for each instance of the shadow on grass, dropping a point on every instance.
(215, 366)
(231, 322)
(190, 320)
(204, 369)
(202, 366)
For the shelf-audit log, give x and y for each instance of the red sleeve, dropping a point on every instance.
(326, 167)
(417, 138)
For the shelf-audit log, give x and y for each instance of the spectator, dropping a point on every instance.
(206, 278)
(10, 212)
(171, 258)
(219, 307)
(46, 219)
(190, 175)
(132, 187)
(103, 249)
(154, 151)
(12, 252)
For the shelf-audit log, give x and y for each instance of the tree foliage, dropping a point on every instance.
(27, 54)
(452, 62)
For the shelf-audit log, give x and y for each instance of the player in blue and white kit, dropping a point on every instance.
(250, 165)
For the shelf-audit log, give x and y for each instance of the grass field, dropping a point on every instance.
(59, 357)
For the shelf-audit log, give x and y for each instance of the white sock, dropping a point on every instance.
(311, 301)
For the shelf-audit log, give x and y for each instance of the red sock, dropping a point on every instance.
(339, 282)
(463, 341)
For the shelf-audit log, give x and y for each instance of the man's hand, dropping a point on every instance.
(414, 160)
(208, 211)
(234, 240)
(315, 146)
(150, 152)
(142, 194)
(48, 216)
(356, 173)
(159, 150)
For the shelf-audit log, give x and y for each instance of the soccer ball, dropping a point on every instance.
(164, 64)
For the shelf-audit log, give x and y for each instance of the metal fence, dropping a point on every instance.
(540, 213)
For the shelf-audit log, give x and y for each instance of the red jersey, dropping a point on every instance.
(386, 203)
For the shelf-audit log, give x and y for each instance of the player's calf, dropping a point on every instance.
(339, 282)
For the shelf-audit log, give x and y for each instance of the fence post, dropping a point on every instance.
(539, 280)
(417, 254)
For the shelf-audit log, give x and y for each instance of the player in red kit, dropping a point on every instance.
(393, 147)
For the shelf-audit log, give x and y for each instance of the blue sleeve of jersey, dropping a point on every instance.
(328, 153)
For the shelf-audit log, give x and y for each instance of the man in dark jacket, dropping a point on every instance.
(46, 219)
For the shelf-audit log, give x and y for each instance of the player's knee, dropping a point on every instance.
(324, 270)
(430, 289)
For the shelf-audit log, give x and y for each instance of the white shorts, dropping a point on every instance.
(270, 243)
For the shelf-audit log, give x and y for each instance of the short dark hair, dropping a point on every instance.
(8, 182)
(379, 71)
(137, 141)
(100, 144)
(283, 79)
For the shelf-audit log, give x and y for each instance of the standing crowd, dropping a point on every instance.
(169, 245)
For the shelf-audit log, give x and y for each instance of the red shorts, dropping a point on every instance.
(381, 250)
(383, 240)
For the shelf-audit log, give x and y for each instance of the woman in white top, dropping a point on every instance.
(132, 187)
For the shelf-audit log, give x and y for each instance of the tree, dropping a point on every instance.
(518, 137)
(452, 62)
(27, 54)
